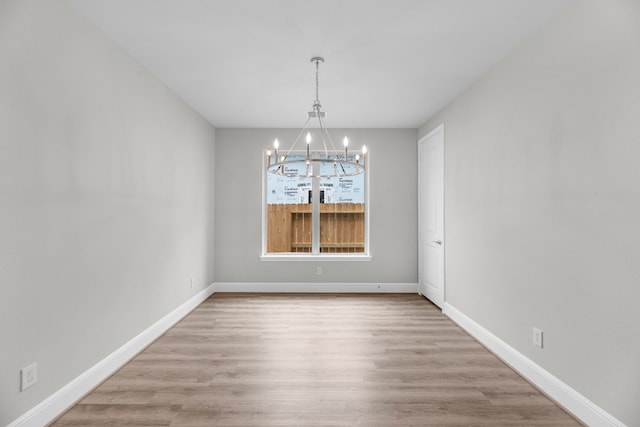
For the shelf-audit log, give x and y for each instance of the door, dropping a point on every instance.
(431, 215)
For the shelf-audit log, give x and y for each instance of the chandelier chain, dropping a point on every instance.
(317, 103)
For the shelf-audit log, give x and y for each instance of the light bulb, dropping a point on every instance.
(364, 149)
(269, 153)
(345, 141)
(276, 144)
(308, 138)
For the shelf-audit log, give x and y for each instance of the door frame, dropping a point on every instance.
(423, 140)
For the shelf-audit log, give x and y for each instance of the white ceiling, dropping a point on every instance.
(389, 63)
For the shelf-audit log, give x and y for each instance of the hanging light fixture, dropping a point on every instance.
(326, 161)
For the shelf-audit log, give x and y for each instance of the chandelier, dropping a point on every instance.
(323, 162)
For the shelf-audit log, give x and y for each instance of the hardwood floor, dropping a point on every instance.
(313, 359)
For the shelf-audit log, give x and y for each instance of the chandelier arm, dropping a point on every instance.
(323, 131)
(333, 146)
(306, 124)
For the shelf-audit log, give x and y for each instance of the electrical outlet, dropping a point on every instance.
(28, 376)
(537, 337)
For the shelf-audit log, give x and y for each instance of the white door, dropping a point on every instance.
(431, 215)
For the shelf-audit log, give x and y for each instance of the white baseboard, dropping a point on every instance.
(581, 407)
(50, 408)
(317, 287)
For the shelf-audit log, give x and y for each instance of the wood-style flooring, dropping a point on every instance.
(315, 359)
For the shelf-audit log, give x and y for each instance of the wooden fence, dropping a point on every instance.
(341, 227)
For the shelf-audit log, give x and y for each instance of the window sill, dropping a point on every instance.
(308, 257)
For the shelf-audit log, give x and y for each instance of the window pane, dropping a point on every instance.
(288, 212)
(342, 214)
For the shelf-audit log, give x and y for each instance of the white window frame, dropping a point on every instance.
(306, 256)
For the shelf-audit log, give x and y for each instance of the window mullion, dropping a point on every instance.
(315, 210)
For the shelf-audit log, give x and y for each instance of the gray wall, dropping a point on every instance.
(393, 204)
(106, 199)
(542, 210)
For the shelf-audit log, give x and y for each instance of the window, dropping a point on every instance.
(312, 215)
